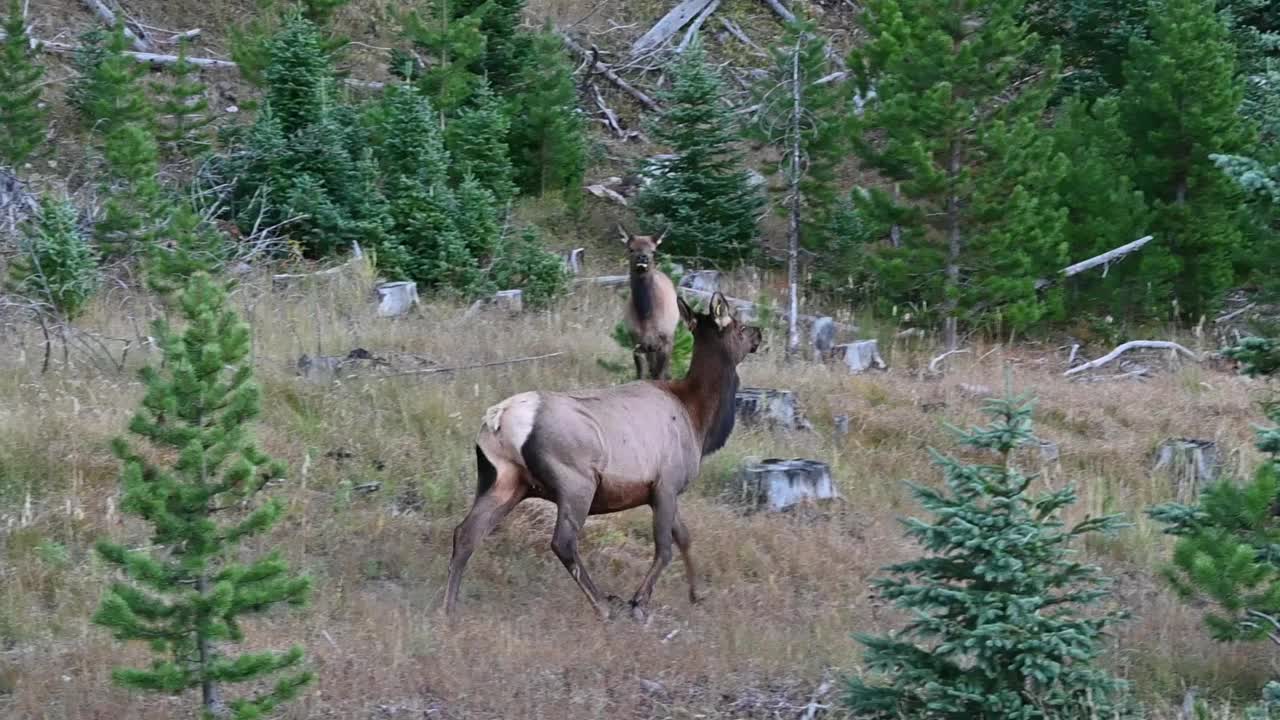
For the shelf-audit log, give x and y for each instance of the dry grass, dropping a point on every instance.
(783, 592)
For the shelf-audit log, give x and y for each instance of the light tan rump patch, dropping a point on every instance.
(512, 419)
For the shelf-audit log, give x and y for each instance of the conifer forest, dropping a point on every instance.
(913, 359)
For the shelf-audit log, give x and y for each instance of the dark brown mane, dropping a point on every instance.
(708, 396)
(642, 295)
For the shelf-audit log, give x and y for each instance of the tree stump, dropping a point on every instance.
(822, 338)
(396, 298)
(860, 356)
(707, 281)
(510, 300)
(1191, 465)
(841, 425)
(573, 260)
(775, 484)
(768, 407)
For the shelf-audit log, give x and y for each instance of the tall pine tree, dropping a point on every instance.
(455, 47)
(979, 215)
(22, 119)
(800, 117)
(1181, 103)
(548, 135)
(187, 595)
(997, 626)
(701, 195)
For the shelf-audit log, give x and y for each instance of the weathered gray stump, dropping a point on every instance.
(765, 406)
(822, 337)
(707, 281)
(860, 356)
(510, 300)
(775, 484)
(396, 298)
(1191, 465)
(573, 260)
(841, 425)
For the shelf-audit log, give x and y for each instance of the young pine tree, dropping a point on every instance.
(22, 119)
(548, 141)
(108, 86)
(187, 596)
(1181, 102)
(702, 195)
(456, 47)
(978, 213)
(801, 119)
(997, 629)
(477, 141)
(506, 44)
(1228, 548)
(182, 111)
(524, 263)
(56, 265)
(299, 74)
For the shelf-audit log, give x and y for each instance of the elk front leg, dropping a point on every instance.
(570, 516)
(664, 519)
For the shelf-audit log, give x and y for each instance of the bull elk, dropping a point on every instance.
(594, 452)
(652, 312)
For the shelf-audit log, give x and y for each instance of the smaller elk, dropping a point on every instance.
(652, 313)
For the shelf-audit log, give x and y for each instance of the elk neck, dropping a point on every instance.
(642, 293)
(708, 393)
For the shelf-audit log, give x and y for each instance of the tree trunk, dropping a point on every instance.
(209, 691)
(895, 231)
(952, 287)
(793, 228)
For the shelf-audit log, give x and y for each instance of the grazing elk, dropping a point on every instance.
(652, 313)
(593, 452)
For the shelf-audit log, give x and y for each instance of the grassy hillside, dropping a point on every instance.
(382, 469)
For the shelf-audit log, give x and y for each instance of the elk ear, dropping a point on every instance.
(663, 235)
(721, 311)
(623, 234)
(686, 313)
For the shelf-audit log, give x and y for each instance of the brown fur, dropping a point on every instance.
(652, 311)
(601, 451)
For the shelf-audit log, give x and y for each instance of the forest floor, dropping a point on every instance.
(784, 592)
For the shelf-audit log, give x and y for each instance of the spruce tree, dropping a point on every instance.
(701, 195)
(800, 117)
(506, 44)
(182, 111)
(455, 46)
(998, 626)
(22, 119)
(548, 133)
(407, 136)
(198, 485)
(56, 265)
(524, 263)
(298, 74)
(1104, 209)
(1180, 104)
(477, 141)
(979, 216)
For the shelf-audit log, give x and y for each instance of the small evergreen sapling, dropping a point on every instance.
(997, 629)
(182, 112)
(477, 140)
(702, 195)
(548, 139)
(22, 119)
(56, 265)
(188, 596)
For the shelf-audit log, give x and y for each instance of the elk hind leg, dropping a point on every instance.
(664, 521)
(499, 490)
(659, 363)
(639, 356)
(571, 514)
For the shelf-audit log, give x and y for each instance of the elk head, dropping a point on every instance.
(641, 250)
(720, 327)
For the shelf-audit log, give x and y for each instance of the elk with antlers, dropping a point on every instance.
(602, 451)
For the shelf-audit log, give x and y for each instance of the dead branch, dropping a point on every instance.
(737, 31)
(108, 18)
(356, 256)
(696, 26)
(610, 117)
(1234, 314)
(179, 37)
(1132, 345)
(1103, 259)
(596, 66)
(472, 366)
(670, 24)
(781, 11)
(933, 364)
(605, 193)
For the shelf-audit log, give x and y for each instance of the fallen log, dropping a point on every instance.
(472, 366)
(669, 25)
(1097, 260)
(282, 279)
(1126, 347)
(696, 26)
(596, 66)
(108, 18)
